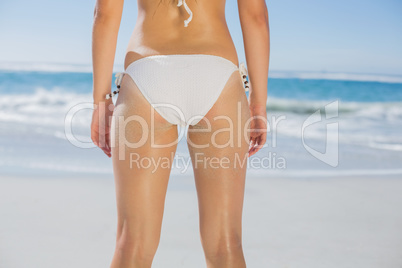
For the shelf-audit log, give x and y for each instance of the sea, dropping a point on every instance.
(320, 124)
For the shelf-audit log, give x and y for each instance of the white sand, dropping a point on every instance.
(323, 223)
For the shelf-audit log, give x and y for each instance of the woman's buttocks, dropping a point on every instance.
(159, 29)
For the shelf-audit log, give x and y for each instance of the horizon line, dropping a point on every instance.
(39, 66)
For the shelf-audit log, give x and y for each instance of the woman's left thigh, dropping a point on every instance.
(218, 146)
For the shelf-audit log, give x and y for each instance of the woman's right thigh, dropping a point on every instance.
(141, 169)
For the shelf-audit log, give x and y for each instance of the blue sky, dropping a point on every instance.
(312, 35)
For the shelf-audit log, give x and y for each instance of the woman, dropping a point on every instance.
(185, 75)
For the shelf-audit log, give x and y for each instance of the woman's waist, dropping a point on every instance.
(147, 44)
(173, 30)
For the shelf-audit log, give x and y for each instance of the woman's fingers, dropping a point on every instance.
(253, 143)
(107, 148)
(253, 149)
(102, 141)
(263, 139)
(257, 142)
(105, 144)
(100, 126)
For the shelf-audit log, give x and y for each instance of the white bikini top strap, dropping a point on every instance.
(183, 2)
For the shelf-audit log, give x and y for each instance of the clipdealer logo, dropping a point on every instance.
(331, 154)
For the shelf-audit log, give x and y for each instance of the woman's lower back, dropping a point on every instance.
(160, 29)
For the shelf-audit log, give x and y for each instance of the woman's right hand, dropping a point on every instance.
(100, 126)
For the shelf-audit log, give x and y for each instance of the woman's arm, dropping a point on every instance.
(255, 28)
(107, 18)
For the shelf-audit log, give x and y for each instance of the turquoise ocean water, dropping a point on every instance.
(358, 133)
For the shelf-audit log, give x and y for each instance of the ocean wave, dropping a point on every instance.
(48, 107)
(384, 78)
(374, 109)
(376, 125)
(386, 146)
(43, 107)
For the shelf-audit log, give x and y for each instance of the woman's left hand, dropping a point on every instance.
(258, 128)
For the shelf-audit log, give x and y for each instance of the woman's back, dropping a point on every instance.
(161, 29)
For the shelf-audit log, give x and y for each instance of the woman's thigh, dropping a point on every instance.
(218, 146)
(142, 154)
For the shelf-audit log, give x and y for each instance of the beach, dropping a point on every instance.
(287, 222)
(325, 191)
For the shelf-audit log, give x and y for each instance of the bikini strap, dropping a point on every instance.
(119, 77)
(183, 2)
(244, 74)
(117, 82)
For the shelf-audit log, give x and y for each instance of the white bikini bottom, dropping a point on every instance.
(182, 88)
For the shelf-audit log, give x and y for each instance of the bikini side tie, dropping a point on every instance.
(243, 74)
(183, 2)
(117, 82)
